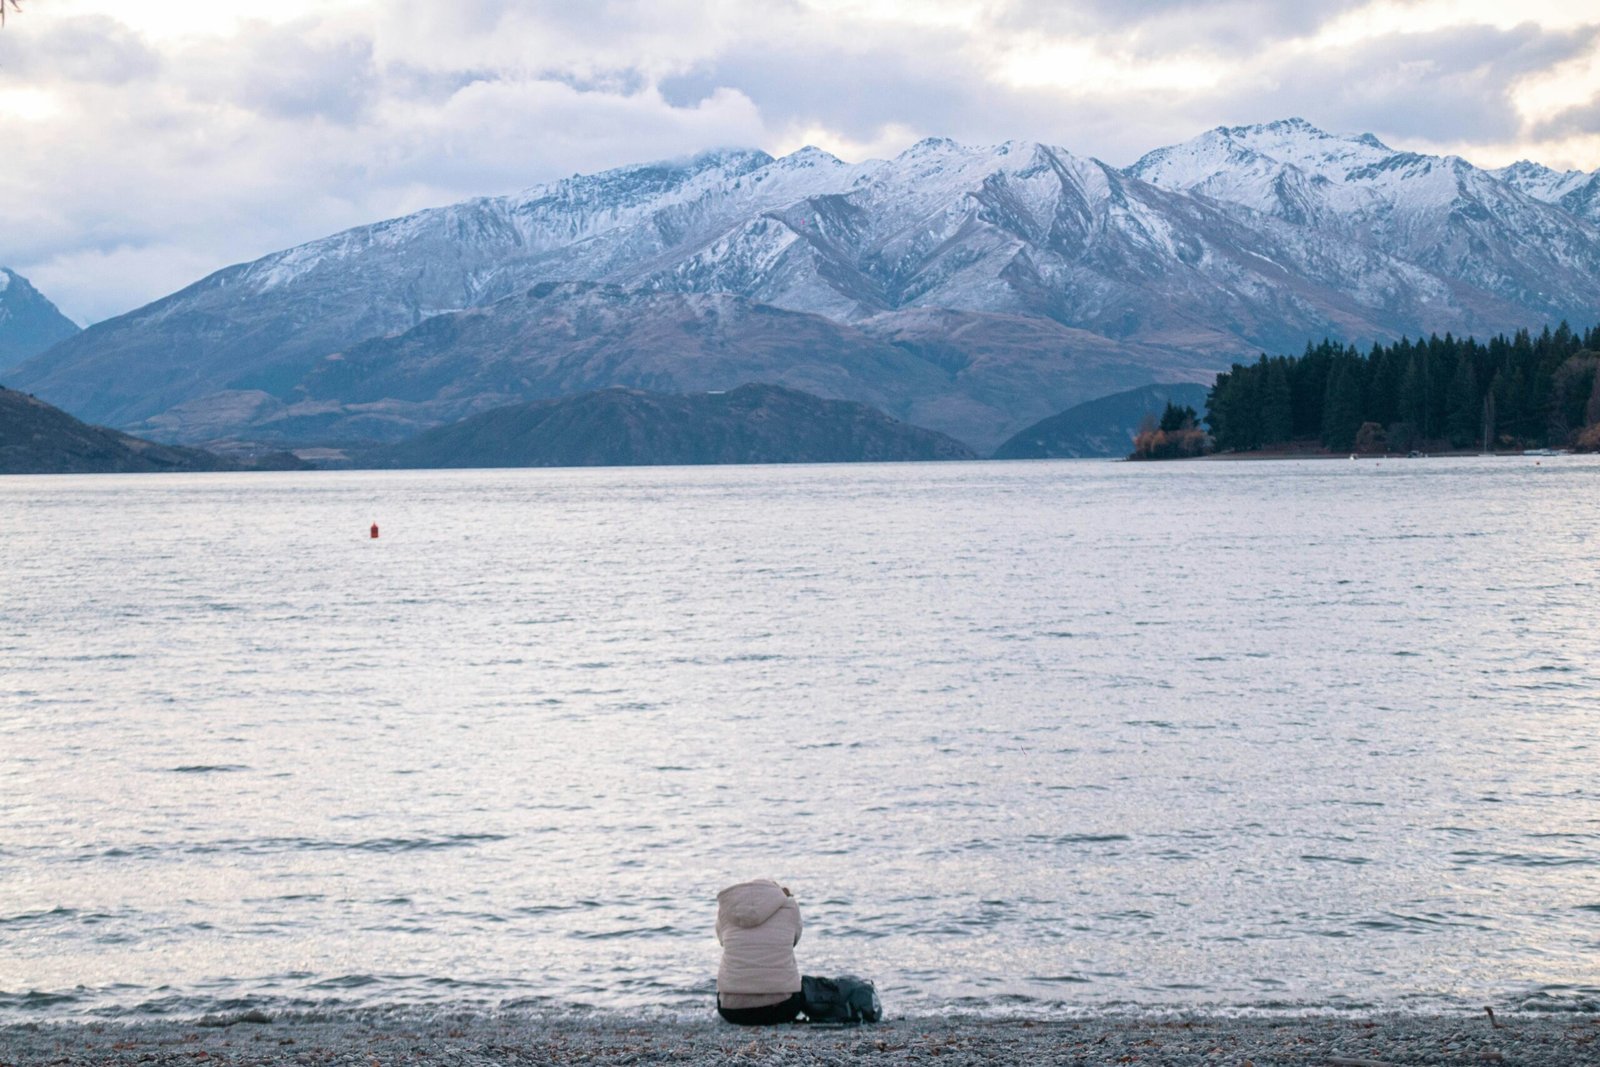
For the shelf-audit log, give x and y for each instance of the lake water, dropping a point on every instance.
(1036, 737)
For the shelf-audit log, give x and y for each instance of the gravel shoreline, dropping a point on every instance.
(469, 1041)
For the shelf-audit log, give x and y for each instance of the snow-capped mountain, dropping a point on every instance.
(1458, 223)
(1575, 190)
(1288, 169)
(29, 323)
(1243, 239)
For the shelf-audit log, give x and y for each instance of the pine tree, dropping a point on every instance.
(1509, 390)
(1222, 404)
(1174, 418)
(1308, 386)
(1341, 413)
(1412, 404)
(1247, 420)
(1571, 386)
(1277, 410)
(1464, 409)
(1437, 366)
(1564, 340)
(1383, 405)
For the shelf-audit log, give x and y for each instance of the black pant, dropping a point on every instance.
(771, 1015)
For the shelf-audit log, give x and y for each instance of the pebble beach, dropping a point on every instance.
(253, 1038)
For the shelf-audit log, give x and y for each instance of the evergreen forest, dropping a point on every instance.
(1523, 391)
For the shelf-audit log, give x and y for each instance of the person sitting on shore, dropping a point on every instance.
(758, 926)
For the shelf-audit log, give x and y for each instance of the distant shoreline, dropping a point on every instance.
(1302, 455)
(470, 1040)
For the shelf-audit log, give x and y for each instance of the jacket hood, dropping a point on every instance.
(751, 903)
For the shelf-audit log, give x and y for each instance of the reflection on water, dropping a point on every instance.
(1022, 737)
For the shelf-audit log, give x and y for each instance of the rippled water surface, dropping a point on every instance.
(1036, 737)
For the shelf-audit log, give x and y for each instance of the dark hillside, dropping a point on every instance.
(36, 438)
(1103, 427)
(629, 427)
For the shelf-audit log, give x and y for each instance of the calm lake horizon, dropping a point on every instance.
(1024, 738)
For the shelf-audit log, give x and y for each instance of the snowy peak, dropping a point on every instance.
(1298, 142)
(1575, 191)
(1355, 185)
(938, 178)
(1540, 181)
(930, 146)
(1287, 169)
(1241, 163)
(1298, 172)
(809, 157)
(649, 180)
(589, 204)
(1246, 155)
(941, 155)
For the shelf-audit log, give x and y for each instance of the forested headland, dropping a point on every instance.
(1523, 391)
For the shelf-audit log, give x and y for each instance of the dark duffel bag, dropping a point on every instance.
(846, 999)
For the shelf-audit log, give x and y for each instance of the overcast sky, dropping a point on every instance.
(145, 144)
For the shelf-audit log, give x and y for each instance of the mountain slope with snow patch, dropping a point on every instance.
(1243, 239)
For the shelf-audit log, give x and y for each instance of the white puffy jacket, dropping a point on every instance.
(758, 925)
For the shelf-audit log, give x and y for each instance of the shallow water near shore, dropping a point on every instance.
(1024, 738)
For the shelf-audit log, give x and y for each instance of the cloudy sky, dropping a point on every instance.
(144, 144)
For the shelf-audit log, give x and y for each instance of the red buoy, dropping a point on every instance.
(374, 530)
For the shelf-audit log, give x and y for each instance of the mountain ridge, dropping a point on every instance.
(1243, 239)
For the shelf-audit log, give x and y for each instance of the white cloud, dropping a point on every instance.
(173, 20)
(1088, 68)
(1385, 18)
(969, 15)
(29, 104)
(1547, 93)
